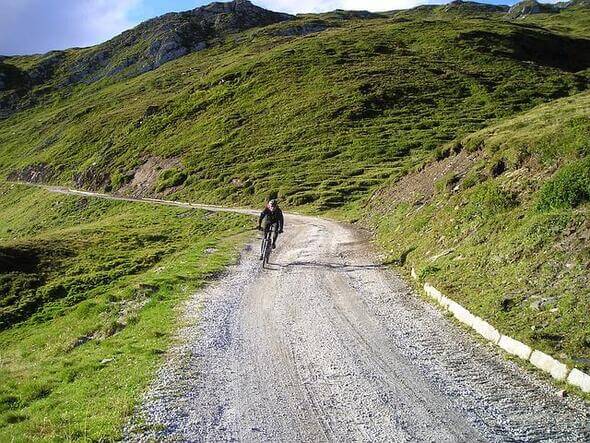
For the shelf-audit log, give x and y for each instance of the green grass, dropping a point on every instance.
(323, 120)
(329, 121)
(510, 240)
(569, 21)
(92, 303)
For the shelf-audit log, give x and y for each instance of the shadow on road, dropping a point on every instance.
(313, 264)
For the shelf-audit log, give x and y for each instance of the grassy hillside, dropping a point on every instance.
(460, 135)
(500, 223)
(89, 297)
(572, 21)
(322, 118)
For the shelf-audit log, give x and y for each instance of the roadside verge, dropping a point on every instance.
(540, 360)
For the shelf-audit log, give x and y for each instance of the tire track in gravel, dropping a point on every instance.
(330, 346)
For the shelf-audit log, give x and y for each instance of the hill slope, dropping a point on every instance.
(270, 109)
(501, 224)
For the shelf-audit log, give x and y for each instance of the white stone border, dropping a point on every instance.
(544, 362)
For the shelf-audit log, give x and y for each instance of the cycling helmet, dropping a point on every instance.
(272, 202)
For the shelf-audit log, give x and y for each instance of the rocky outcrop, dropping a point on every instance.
(527, 7)
(38, 173)
(574, 4)
(473, 7)
(168, 37)
(138, 50)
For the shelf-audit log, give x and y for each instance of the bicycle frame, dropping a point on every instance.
(266, 246)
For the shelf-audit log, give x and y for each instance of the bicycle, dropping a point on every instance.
(266, 246)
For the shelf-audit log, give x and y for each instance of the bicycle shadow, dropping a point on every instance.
(325, 265)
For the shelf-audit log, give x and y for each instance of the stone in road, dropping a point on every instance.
(329, 346)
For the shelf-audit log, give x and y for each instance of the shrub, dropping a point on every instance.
(568, 188)
(488, 199)
(170, 178)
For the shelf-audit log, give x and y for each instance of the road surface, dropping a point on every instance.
(328, 345)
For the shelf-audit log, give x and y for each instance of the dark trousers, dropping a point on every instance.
(275, 232)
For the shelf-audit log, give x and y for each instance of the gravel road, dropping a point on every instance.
(328, 345)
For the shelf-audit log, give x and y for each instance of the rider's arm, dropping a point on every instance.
(262, 214)
(281, 220)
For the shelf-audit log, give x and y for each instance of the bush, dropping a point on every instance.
(170, 178)
(568, 188)
(488, 199)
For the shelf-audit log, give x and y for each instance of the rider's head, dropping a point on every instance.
(272, 204)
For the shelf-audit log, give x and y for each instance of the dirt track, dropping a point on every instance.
(330, 346)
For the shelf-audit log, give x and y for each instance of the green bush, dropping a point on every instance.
(170, 178)
(569, 187)
(488, 199)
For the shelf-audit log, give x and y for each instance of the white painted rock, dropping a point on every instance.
(486, 330)
(548, 364)
(515, 347)
(579, 379)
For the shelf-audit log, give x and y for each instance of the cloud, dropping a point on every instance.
(36, 26)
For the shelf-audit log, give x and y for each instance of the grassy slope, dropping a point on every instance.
(325, 120)
(574, 21)
(105, 283)
(322, 119)
(507, 233)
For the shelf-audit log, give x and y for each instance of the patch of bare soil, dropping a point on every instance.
(146, 176)
(39, 173)
(419, 187)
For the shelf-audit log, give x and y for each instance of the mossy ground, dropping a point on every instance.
(91, 305)
(509, 238)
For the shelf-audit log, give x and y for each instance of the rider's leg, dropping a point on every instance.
(275, 234)
(264, 234)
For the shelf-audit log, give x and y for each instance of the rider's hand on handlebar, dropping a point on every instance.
(259, 228)
(281, 231)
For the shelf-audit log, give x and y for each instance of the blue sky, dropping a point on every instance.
(37, 26)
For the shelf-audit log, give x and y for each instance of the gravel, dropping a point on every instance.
(328, 345)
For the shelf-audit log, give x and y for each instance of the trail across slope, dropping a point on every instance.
(329, 345)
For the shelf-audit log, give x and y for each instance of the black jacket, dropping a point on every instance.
(273, 217)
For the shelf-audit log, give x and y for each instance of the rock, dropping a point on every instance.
(104, 361)
(527, 7)
(151, 110)
(171, 36)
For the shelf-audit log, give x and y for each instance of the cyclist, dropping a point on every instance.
(270, 215)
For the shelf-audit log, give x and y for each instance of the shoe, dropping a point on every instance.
(261, 257)
(274, 246)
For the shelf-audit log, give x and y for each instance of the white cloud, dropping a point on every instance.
(33, 26)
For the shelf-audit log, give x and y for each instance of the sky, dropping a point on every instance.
(38, 26)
